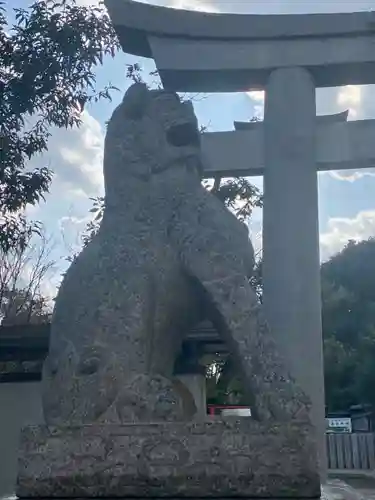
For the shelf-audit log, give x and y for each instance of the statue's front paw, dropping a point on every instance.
(149, 398)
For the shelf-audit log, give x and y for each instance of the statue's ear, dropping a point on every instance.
(136, 101)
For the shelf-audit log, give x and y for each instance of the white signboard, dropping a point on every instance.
(236, 412)
(339, 424)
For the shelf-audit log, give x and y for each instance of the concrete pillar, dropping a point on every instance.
(196, 383)
(291, 236)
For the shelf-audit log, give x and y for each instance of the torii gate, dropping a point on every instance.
(288, 56)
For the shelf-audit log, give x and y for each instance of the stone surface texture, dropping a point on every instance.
(168, 254)
(217, 459)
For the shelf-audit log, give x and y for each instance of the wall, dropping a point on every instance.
(20, 404)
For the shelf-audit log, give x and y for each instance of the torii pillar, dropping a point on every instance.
(291, 264)
(288, 56)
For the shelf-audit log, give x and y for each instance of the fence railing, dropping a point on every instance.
(351, 451)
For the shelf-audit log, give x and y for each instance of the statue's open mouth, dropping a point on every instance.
(185, 134)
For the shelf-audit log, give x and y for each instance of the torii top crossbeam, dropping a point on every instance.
(340, 145)
(230, 52)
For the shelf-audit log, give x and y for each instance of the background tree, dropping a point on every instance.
(47, 63)
(348, 317)
(348, 299)
(23, 273)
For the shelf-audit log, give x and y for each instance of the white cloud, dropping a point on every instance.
(88, 3)
(76, 193)
(257, 98)
(351, 175)
(197, 5)
(350, 97)
(76, 156)
(341, 230)
(83, 150)
(360, 101)
(68, 222)
(256, 95)
(72, 226)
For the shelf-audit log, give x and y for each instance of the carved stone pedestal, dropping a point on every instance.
(217, 459)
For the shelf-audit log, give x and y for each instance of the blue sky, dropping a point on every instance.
(347, 200)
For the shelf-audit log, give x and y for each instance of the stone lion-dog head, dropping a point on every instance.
(150, 132)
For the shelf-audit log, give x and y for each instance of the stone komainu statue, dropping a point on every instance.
(167, 254)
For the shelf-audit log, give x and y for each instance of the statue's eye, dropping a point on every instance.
(53, 367)
(89, 366)
(185, 134)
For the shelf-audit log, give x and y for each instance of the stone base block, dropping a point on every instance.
(219, 458)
